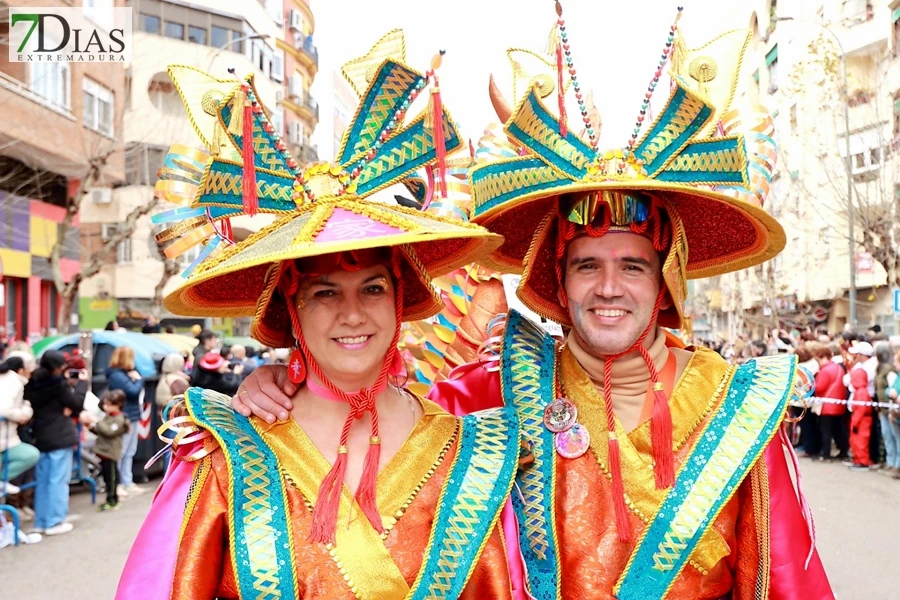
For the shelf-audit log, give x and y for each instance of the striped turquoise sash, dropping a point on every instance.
(473, 496)
(259, 524)
(528, 378)
(734, 438)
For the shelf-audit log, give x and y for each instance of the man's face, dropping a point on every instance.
(612, 283)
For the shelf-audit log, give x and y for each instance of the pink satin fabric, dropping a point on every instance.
(789, 538)
(471, 388)
(150, 568)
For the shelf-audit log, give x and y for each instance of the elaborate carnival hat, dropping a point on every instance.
(707, 166)
(322, 209)
(694, 184)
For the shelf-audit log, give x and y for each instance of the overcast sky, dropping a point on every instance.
(616, 46)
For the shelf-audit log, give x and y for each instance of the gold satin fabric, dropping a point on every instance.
(726, 560)
(362, 565)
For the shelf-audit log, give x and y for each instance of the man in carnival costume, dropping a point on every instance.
(654, 471)
(326, 505)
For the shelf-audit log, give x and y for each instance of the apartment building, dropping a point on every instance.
(57, 119)
(794, 67)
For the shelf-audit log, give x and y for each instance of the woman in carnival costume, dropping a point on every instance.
(368, 491)
(655, 471)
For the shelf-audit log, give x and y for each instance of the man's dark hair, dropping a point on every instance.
(251, 351)
(170, 329)
(205, 336)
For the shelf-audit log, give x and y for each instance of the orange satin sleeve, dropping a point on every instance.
(203, 565)
(490, 579)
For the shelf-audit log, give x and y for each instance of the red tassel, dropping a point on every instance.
(365, 493)
(561, 90)
(324, 517)
(227, 230)
(248, 182)
(623, 527)
(439, 142)
(661, 439)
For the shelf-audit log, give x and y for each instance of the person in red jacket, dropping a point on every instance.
(861, 416)
(832, 420)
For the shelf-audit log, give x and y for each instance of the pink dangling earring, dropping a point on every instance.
(398, 367)
(297, 367)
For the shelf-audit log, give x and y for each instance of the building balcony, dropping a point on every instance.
(863, 36)
(311, 106)
(306, 52)
(305, 153)
(304, 106)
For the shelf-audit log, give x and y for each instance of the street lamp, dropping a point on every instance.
(223, 47)
(847, 164)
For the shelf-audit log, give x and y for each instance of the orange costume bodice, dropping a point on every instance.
(362, 563)
(729, 558)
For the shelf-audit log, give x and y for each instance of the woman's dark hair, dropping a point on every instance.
(111, 326)
(13, 363)
(50, 361)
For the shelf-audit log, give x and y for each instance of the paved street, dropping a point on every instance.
(857, 521)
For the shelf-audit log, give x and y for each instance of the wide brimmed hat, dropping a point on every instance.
(711, 189)
(322, 208)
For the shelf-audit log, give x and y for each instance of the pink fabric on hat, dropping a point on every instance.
(346, 225)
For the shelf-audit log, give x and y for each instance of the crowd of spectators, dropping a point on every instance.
(852, 415)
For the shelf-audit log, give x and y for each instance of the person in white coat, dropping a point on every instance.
(15, 411)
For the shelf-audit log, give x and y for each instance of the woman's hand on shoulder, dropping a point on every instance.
(266, 393)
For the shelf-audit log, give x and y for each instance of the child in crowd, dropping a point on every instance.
(109, 432)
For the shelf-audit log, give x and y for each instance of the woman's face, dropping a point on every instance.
(348, 319)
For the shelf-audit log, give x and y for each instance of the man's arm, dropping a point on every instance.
(470, 388)
(266, 393)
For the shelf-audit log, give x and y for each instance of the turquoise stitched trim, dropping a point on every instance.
(664, 549)
(664, 122)
(710, 148)
(250, 462)
(397, 152)
(356, 143)
(475, 492)
(258, 120)
(507, 172)
(529, 355)
(553, 148)
(267, 181)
